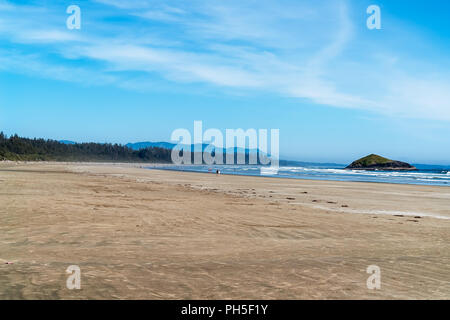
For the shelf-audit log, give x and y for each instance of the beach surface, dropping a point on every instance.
(137, 233)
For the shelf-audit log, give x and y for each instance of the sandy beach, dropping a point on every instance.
(137, 233)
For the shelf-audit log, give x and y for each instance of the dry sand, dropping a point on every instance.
(150, 234)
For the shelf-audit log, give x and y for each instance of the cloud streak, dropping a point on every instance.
(313, 52)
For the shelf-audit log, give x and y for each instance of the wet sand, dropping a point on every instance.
(150, 234)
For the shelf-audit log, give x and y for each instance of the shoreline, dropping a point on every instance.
(395, 213)
(300, 178)
(157, 166)
(445, 185)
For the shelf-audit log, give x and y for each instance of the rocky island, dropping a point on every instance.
(376, 162)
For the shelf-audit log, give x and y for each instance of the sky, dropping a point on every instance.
(137, 70)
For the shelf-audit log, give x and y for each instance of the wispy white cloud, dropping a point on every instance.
(298, 49)
(129, 4)
(35, 65)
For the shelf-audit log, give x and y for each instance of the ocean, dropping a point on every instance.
(435, 176)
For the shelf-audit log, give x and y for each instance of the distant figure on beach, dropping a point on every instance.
(217, 171)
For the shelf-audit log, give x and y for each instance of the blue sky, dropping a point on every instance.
(137, 70)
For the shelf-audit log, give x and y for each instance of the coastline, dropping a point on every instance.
(328, 174)
(155, 234)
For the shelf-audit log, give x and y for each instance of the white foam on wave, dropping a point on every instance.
(421, 176)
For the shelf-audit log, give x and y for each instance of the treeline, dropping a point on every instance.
(16, 148)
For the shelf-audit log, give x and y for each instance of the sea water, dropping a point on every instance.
(435, 176)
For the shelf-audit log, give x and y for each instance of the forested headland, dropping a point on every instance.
(17, 148)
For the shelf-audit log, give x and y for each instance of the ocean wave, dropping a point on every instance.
(367, 173)
(423, 177)
(403, 177)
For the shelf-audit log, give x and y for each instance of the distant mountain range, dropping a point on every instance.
(285, 163)
(168, 145)
(144, 145)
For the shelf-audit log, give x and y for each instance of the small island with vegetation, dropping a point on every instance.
(376, 162)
